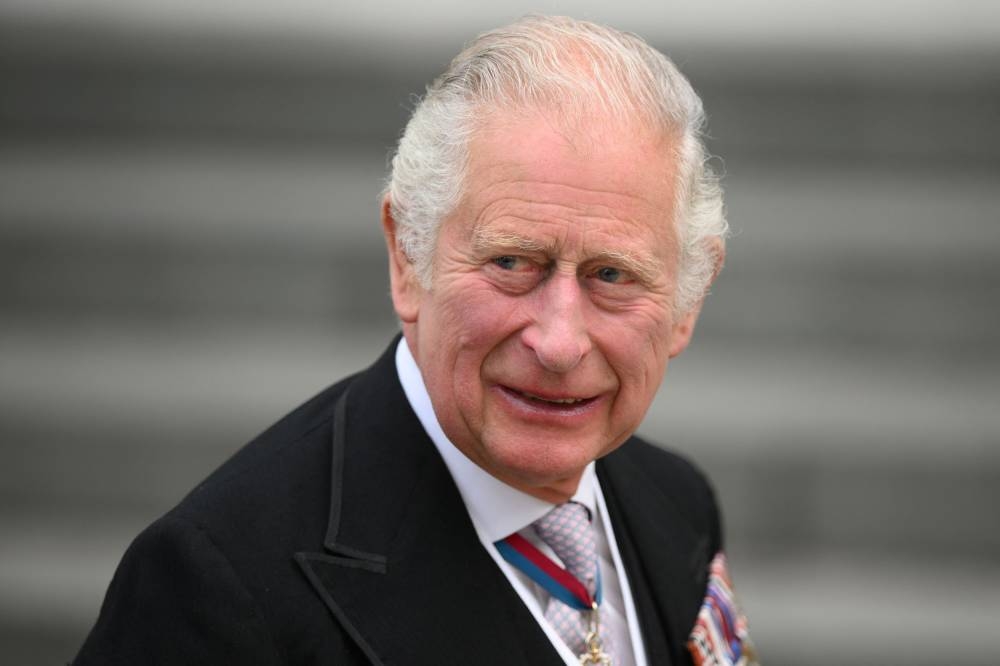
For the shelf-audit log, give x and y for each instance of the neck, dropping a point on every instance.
(556, 492)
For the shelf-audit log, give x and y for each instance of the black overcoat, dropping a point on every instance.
(338, 537)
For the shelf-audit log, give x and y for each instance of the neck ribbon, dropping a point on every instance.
(553, 578)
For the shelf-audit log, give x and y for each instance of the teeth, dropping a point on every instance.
(560, 401)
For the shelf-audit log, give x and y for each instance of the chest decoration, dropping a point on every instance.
(720, 636)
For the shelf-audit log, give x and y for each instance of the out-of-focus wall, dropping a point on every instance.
(189, 246)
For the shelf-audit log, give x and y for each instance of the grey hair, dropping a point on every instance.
(568, 65)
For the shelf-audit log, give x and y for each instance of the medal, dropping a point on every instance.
(563, 586)
(595, 653)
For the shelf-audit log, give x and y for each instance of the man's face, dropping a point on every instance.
(548, 325)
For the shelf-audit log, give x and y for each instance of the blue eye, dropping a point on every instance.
(506, 262)
(608, 274)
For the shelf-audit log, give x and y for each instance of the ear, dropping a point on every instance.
(683, 328)
(405, 287)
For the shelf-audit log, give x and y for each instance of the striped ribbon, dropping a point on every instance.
(553, 578)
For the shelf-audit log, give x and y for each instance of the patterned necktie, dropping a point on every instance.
(568, 532)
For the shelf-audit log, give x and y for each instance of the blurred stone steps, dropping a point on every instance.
(190, 246)
(796, 457)
(834, 255)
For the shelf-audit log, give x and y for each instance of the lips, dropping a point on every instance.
(549, 401)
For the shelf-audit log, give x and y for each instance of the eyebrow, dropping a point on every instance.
(642, 266)
(486, 239)
(645, 267)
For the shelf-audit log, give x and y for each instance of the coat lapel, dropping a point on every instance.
(665, 557)
(403, 570)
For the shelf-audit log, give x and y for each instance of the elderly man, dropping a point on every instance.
(477, 496)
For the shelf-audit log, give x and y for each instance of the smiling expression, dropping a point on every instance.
(548, 324)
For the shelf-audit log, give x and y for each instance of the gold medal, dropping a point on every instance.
(595, 654)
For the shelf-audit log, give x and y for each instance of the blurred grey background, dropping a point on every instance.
(189, 247)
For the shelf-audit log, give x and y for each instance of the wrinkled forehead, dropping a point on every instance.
(592, 159)
(541, 186)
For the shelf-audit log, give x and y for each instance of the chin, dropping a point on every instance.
(542, 466)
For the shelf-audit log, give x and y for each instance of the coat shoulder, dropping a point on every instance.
(172, 587)
(300, 433)
(219, 569)
(675, 478)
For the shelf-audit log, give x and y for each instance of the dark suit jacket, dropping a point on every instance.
(339, 537)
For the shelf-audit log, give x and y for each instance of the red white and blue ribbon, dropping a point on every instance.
(720, 636)
(553, 578)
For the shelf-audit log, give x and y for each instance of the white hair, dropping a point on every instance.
(570, 66)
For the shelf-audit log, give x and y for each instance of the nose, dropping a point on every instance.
(558, 332)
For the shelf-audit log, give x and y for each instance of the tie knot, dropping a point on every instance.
(568, 532)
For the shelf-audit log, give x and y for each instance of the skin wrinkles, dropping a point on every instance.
(496, 229)
(576, 196)
(582, 204)
(490, 243)
(535, 363)
(586, 205)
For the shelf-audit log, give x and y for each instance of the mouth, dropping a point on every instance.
(551, 401)
(555, 403)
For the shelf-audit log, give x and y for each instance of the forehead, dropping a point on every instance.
(530, 166)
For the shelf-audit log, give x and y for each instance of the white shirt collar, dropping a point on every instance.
(497, 510)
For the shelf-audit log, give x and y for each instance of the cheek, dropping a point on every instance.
(636, 345)
(473, 315)
(462, 324)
